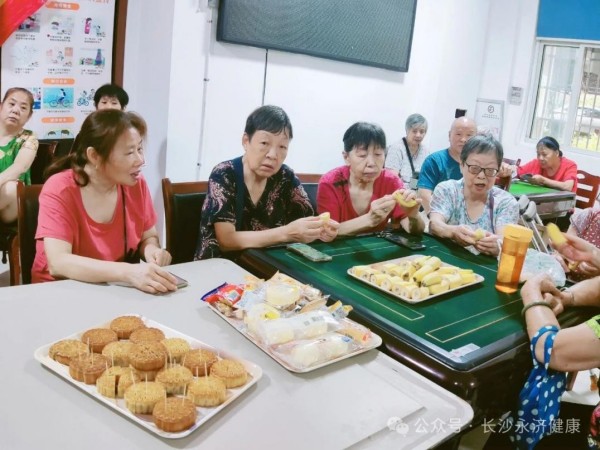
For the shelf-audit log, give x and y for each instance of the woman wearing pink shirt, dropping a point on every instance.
(96, 216)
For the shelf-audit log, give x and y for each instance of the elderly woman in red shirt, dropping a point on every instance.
(550, 168)
(359, 194)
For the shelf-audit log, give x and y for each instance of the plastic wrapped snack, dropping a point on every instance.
(281, 295)
(310, 352)
(302, 326)
(258, 313)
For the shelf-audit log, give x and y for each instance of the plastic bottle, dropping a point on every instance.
(514, 248)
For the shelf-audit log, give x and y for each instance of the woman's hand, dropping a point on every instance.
(488, 245)
(579, 250)
(151, 278)
(541, 287)
(463, 235)
(381, 209)
(586, 269)
(537, 179)
(329, 230)
(407, 196)
(305, 230)
(158, 256)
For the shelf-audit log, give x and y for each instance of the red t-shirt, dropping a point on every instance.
(63, 216)
(566, 171)
(333, 194)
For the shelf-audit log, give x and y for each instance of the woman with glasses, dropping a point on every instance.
(472, 211)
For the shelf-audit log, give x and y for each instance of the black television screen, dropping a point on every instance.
(371, 32)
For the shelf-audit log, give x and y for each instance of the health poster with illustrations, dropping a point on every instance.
(62, 54)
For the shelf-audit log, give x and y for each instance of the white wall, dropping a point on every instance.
(196, 92)
(146, 80)
(322, 97)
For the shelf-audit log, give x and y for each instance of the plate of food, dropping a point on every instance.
(415, 278)
(164, 380)
(292, 323)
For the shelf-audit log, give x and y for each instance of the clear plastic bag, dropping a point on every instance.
(538, 262)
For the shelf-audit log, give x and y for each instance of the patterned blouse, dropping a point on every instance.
(283, 201)
(586, 223)
(449, 201)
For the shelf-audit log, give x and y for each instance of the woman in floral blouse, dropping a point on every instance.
(255, 200)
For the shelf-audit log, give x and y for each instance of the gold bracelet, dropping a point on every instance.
(532, 304)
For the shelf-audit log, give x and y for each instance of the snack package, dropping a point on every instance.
(310, 352)
(307, 292)
(301, 326)
(258, 313)
(224, 297)
(229, 294)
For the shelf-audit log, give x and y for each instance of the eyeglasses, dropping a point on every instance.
(476, 170)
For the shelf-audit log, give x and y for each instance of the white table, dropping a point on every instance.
(283, 410)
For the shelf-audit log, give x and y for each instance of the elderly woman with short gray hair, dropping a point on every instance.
(406, 156)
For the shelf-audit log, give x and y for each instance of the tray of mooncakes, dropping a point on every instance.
(165, 381)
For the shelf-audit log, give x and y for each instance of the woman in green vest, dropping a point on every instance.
(17, 148)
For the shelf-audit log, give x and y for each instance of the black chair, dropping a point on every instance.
(8, 239)
(183, 206)
(43, 158)
(310, 183)
(28, 205)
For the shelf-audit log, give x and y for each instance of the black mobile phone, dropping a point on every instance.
(526, 177)
(181, 283)
(409, 243)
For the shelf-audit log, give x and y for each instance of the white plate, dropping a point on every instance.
(145, 420)
(478, 279)
(239, 325)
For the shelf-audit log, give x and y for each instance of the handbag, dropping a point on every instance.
(414, 179)
(539, 400)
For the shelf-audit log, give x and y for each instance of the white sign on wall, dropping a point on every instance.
(489, 115)
(62, 54)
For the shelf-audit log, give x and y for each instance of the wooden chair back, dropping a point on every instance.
(183, 208)
(587, 189)
(512, 162)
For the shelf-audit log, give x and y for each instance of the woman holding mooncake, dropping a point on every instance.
(472, 211)
(362, 195)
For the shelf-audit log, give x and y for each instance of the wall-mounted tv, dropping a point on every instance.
(370, 32)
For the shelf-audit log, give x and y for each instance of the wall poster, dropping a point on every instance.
(489, 115)
(62, 54)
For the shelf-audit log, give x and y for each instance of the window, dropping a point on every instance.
(567, 102)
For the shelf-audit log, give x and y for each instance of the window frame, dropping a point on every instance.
(576, 86)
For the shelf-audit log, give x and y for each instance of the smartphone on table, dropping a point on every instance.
(181, 283)
(409, 243)
(310, 253)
